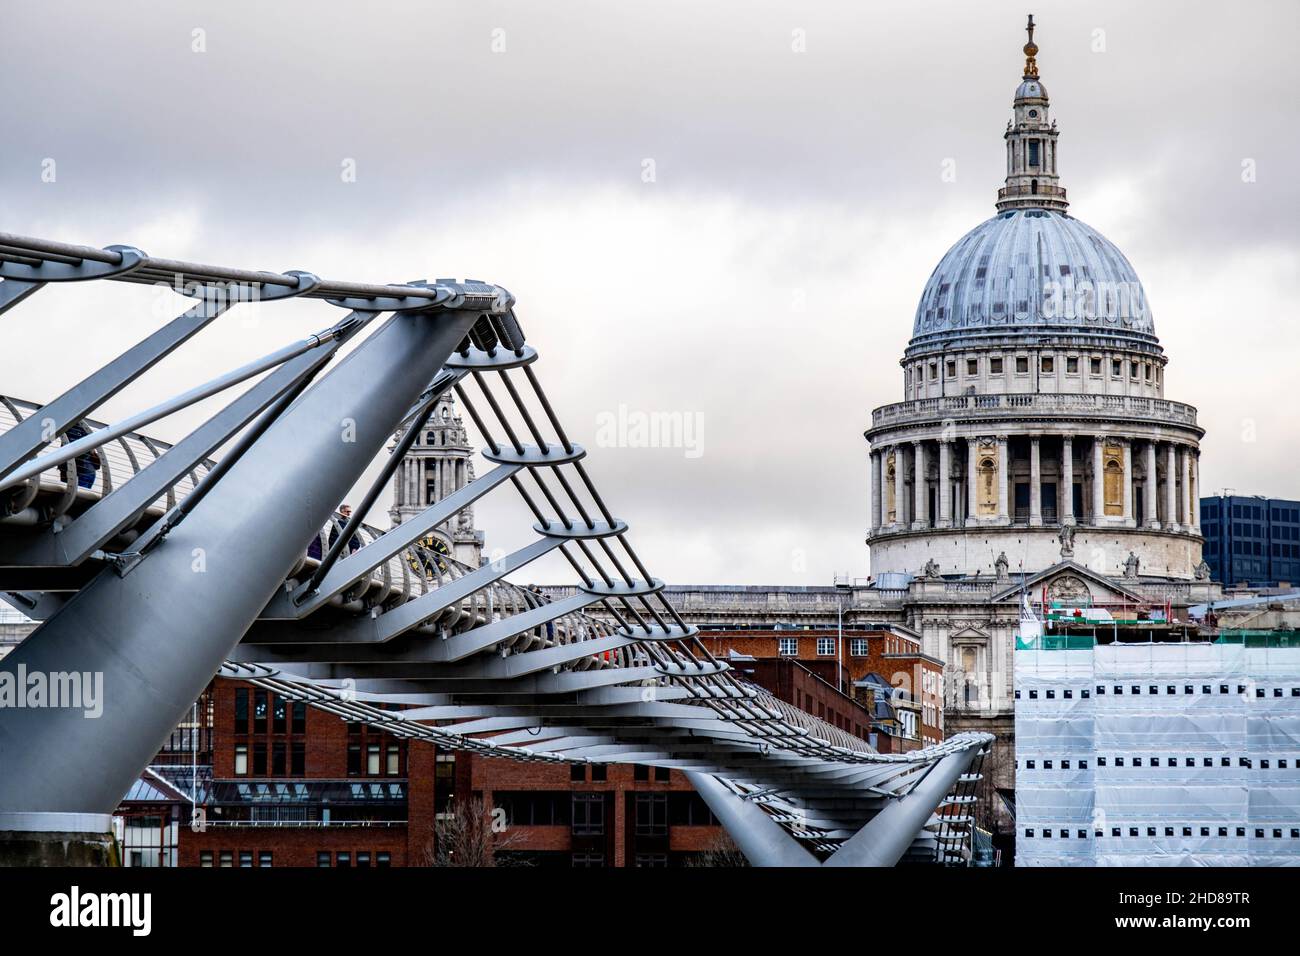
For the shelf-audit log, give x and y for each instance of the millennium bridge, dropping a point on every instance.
(167, 566)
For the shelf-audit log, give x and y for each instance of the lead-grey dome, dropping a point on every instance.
(1031, 270)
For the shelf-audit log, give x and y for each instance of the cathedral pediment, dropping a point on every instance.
(1068, 581)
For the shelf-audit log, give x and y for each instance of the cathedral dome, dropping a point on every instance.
(1027, 271)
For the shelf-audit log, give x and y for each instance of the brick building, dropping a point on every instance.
(280, 783)
(891, 653)
(284, 784)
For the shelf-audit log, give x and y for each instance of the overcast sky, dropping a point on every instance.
(762, 281)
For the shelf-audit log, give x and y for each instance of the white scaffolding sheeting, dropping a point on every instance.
(1158, 755)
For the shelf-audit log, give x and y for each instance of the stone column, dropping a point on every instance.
(1128, 482)
(1152, 517)
(1004, 481)
(1035, 484)
(919, 518)
(1067, 479)
(874, 518)
(1171, 495)
(972, 480)
(882, 476)
(1098, 482)
(945, 483)
(1185, 456)
(900, 489)
(1196, 489)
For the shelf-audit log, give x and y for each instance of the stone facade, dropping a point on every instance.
(438, 465)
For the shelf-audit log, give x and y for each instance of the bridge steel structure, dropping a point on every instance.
(173, 566)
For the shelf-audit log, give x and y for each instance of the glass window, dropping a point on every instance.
(995, 365)
(858, 646)
(246, 858)
(227, 858)
(588, 814)
(1022, 363)
(259, 712)
(279, 715)
(372, 759)
(826, 646)
(1047, 363)
(299, 717)
(787, 646)
(264, 858)
(383, 859)
(1072, 365)
(394, 760)
(354, 759)
(241, 760)
(205, 858)
(322, 858)
(972, 366)
(241, 710)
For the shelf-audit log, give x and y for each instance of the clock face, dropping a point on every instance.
(433, 543)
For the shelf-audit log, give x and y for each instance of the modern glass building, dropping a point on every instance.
(1251, 540)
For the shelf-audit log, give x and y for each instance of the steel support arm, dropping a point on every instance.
(29, 436)
(763, 841)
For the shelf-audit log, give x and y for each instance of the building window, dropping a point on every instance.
(1022, 364)
(663, 774)
(279, 762)
(372, 759)
(383, 859)
(259, 712)
(1072, 365)
(1047, 363)
(825, 646)
(299, 717)
(241, 710)
(363, 861)
(354, 760)
(652, 814)
(323, 859)
(264, 858)
(241, 760)
(787, 646)
(640, 772)
(950, 368)
(578, 772)
(259, 760)
(343, 860)
(934, 371)
(599, 773)
(1116, 367)
(205, 858)
(279, 715)
(227, 858)
(588, 814)
(1094, 366)
(858, 646)
(298, 759)
(588, 860)
(995, 366)
(394, 760)
(972, 366)
(246, 859)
